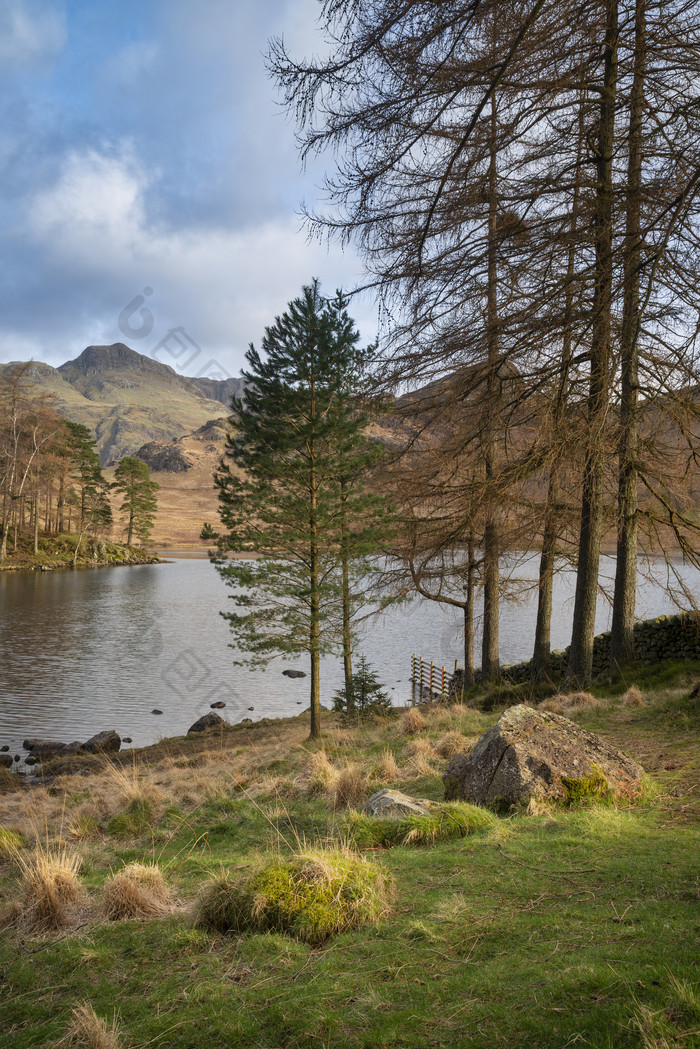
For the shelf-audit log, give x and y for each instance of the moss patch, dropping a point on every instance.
(583, 788)
(311, 896)
(455, 820)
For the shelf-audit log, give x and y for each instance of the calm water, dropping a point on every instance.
(82, 651)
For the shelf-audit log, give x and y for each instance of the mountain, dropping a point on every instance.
(128, 399)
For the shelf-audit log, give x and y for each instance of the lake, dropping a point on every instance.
(82, 651)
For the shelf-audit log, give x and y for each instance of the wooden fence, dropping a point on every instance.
(429, 680)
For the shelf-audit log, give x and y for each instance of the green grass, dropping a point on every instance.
(452, 820)
(575, 927)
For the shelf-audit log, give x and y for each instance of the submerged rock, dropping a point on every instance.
(103, 742)
(294, 673)
(219, 705)
(536, 754)
(43, 749)
(205, 722)
(393, 805)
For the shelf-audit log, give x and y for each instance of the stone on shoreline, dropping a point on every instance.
(205, 722)
(103, 742)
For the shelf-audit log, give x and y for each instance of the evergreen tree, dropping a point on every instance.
(366, 696)
(280, 486)
(133, 479)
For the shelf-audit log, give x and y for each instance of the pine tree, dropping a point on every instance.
(289, 488)
(133, 479)
(365, 697)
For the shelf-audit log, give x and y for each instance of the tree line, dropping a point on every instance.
(521, 180)
(51, 479)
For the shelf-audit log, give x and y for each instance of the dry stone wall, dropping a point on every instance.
(666, 637)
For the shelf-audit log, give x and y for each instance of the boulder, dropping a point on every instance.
(4, 747)
(205, 722)
(43, 749)
(5, 761)
(393, 805)
(536, 754)
(294, 673)
(103, 742)
(71, 748)
(219, 705)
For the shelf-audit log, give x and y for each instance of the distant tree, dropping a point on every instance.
(132, 478)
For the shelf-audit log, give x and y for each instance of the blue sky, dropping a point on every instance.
(141, 147)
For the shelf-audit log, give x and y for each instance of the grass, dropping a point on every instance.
(137, 891)
(49, 889)
(312, 895)
(452, 820)
(568, 926)
(88, 1031)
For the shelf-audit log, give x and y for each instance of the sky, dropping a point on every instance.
(150, 184)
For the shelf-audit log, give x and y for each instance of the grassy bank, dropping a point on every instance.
(58, 551)
(547, 928)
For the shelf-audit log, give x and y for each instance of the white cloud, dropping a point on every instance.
(32, 33)
(93, 232)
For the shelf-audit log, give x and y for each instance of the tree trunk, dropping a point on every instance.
(315, 695)
(345, 568)
(580, 667)
(469, 617)
(489, 651)
(622, 631)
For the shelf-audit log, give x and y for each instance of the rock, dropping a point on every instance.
(17, 757)
(294, 673)
(71, 748)
(219, 705)
(393, 805)
(4, 748)
(103, 742)
(251, 708)
(205, 722)
(127, 739)
(156, 712)
(5, 761)
(42, 749)
(31, 760)
(246, 721)
(536, 754)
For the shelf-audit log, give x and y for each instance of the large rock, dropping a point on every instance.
(393, 805)
(535, 754)
(205, 722)
(103, 742)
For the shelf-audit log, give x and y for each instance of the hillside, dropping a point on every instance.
(128, 399)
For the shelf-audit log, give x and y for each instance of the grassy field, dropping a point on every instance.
(547, 928)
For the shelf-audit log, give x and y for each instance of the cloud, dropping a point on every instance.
(92, 231)
(32, 33)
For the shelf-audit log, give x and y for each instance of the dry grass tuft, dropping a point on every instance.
(10, 844)
(421, 747)
(420, 765)
(350, 787)
(561, 704)
(137, 891)
(319, 776)
(535, 807)
(452, 743)
(387, 767)
(411, 722)
(88, 1031)
(49, 888)
(633, 697)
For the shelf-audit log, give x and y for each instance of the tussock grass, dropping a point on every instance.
(387, 768)
(412, 722)
(633, 697)
(310, 896)
(319, 776)
(572, 701)
(449, 821)
(89, 1031)
(452, 743)
(350, 787)
(49, 888)
(137, 891)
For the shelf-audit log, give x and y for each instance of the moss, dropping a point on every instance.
(10, 842)
(311, 896)
(455, 820)
(583, 788)
(453, 788)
